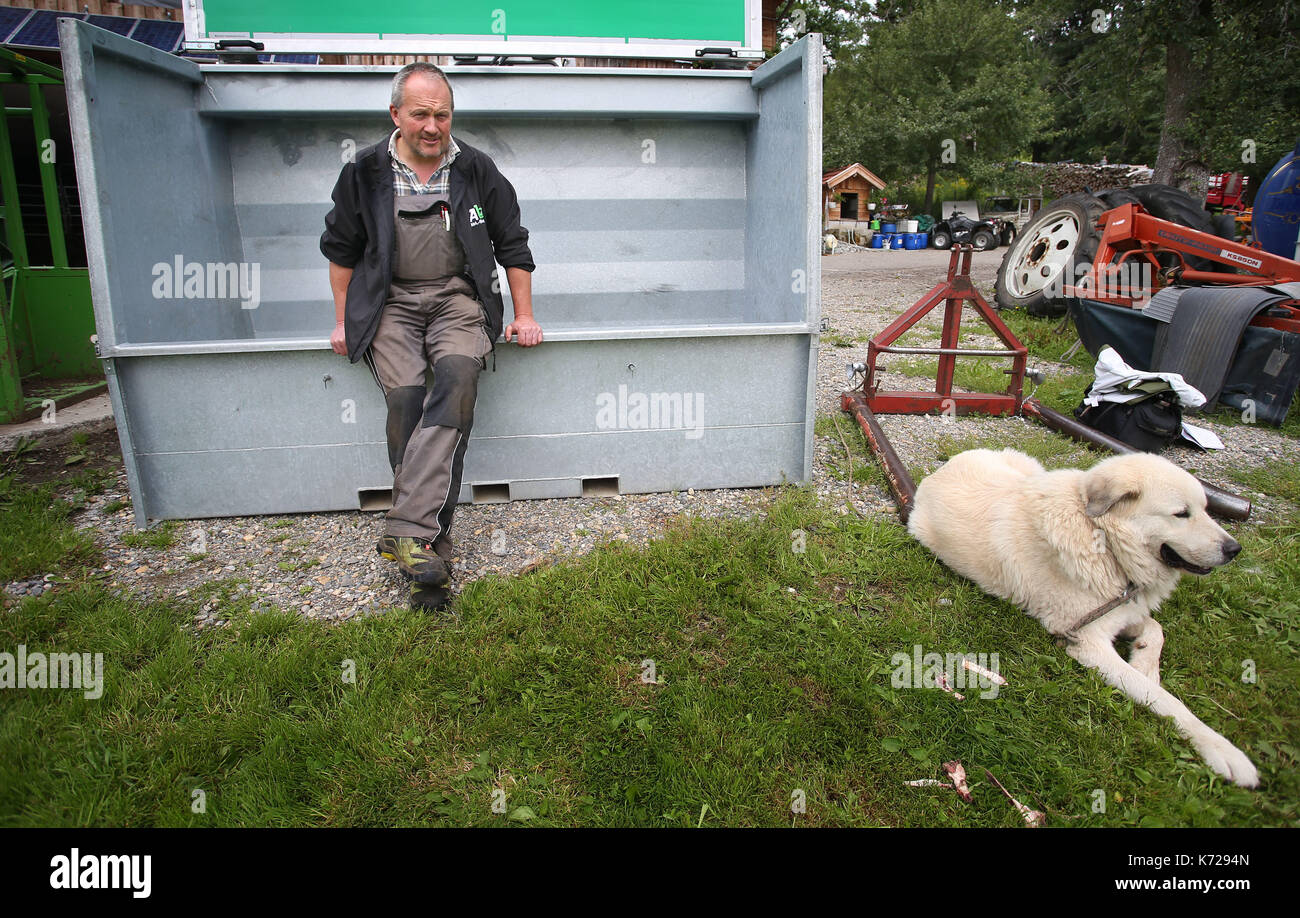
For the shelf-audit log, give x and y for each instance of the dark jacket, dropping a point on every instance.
(359, 234)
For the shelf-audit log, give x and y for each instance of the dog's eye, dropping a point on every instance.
(1183, 514)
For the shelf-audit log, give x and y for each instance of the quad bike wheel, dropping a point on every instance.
(941, 239)
(983, 240)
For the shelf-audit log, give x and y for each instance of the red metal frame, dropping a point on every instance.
(1131, 236)
(953, 292)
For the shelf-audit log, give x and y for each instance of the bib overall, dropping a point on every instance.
(430, 320)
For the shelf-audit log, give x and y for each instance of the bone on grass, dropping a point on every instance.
(957, 774)
(1033, 818)
(972, 666)
(942, 682)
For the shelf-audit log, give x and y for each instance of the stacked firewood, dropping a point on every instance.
(1066, 178)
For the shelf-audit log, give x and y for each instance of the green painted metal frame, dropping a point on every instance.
(57, 350)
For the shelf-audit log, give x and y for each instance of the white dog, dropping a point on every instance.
(1090, 554)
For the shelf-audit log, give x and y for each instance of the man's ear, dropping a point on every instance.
(1103, 489)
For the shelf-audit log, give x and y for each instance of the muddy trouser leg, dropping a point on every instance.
(405, 408)
(427, 484)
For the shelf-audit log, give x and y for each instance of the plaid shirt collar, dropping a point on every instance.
(405, 181)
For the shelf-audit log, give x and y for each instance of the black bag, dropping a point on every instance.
(1150, 424)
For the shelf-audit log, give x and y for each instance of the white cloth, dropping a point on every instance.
(1116, 381)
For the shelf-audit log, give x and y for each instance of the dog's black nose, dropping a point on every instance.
(1231, 549)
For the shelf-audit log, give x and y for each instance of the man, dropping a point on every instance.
(418, 223)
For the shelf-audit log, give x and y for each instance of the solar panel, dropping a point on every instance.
(42, 31)
(119, 24)
(160, 34)
(10, 19)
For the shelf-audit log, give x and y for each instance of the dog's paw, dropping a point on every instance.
(1228, 761)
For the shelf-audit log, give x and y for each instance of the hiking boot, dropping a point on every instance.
(416, 559)
(387, 548)
(432, 599)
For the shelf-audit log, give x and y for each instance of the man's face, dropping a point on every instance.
(424, 119)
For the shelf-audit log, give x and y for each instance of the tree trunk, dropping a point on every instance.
(931, 174)
(1182, 76)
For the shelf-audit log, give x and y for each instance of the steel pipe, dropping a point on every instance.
(1223, 504)
(900, 481)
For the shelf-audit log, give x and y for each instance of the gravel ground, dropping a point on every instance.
(324, 565)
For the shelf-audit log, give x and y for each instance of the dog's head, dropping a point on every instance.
(1154, 513)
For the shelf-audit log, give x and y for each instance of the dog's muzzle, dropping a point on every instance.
(1230, 549)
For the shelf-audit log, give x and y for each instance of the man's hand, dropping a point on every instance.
(526, 329)
(339, 341)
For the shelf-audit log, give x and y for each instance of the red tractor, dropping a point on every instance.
(1148, 271)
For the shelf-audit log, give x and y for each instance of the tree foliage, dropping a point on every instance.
(948, 85)
(1057, 80)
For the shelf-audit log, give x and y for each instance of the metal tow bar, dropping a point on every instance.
(866, 402)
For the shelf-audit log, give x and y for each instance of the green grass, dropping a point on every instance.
(841, 429)
(837, 339)
(35, 536)
(1062, 391)
(1279, 478)
(773, 675)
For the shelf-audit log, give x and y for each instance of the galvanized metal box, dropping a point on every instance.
(674, 222)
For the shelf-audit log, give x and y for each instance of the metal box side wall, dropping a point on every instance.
(656, 418)
(784, 164)
(254, 418)
(155, 184)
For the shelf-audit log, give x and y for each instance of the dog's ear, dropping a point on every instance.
(1102, 490)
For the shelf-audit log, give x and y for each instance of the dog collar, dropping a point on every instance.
(1071, 636)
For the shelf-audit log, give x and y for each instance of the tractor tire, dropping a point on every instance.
(983, 240)
(1009, 234)
(942, 240)
(1164, 202)
(1033, 270)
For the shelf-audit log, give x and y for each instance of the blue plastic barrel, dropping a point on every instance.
(911, 241)
(877, 241)
(925, 240)
(889, 228)
(896, 241)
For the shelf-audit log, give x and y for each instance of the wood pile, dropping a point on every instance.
(1066, 178)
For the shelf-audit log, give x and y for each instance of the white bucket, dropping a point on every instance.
(911, 226)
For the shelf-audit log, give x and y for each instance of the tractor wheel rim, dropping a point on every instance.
(1038, 259)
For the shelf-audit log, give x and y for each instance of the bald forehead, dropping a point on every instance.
(426, 90)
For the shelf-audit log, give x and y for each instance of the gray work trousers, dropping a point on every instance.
(439, 325)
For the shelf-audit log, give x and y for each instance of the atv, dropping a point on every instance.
(962, 230)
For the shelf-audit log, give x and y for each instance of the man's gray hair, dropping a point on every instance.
(432, 70)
